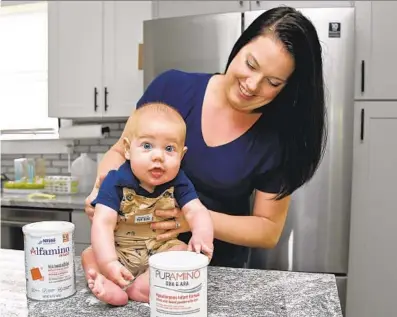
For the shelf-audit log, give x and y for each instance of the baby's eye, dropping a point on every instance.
(169, 148)
(146, 145)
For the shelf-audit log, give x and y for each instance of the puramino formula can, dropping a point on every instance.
(178, 284)
(49, 260)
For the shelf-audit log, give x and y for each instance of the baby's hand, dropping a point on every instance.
(200, 222)
(202, 241)
(117, 273)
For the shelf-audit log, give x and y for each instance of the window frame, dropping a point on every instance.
(47, 131)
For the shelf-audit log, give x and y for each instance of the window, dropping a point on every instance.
(23, 70)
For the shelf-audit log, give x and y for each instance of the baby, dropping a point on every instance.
(121, 237)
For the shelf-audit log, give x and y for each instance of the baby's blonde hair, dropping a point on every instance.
(157, 108)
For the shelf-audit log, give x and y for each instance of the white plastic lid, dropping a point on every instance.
(47, 227)
(178, 260)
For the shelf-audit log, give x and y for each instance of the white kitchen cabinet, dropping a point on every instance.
(123, 32)
(93, 57)
(167, 9)
(75, 42)
(372, 281)
(376, 50)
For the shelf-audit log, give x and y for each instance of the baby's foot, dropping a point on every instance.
(105, 290)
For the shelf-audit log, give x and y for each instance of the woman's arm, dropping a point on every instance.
(261, 230)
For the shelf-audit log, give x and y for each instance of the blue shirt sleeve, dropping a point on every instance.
(109, 193)
(184, 190)
(268, 182)
(267, 179)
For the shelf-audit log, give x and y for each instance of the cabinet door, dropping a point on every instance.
(372, 279)
(75, 58)
(266, 4)
(123, 32)
(376, 50)
(166, 9)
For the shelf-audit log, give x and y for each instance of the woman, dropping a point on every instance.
(259, 126)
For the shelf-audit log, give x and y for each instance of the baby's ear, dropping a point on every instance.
(184, 151)
(127, 147)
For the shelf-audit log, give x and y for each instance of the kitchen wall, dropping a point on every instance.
(57, 164)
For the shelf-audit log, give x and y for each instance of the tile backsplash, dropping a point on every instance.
(57, 164)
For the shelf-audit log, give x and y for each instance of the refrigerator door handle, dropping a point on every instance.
(362, 125)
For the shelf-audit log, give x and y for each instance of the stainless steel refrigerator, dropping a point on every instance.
(316, 234)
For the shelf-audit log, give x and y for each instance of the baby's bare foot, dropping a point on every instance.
(105, 290)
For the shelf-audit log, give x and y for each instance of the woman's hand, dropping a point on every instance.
(173, 227)
(89, 210)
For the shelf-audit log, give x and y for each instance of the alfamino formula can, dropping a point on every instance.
(49, 260)
(178, 284)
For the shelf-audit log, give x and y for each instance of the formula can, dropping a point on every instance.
(178, 284)
(49, 260)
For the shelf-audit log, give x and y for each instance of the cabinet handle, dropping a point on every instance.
(106, 99)
(95, 99)
(362, 125)
(241, 3)
(362, 76)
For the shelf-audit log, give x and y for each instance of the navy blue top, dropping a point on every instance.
(111, 191)
(224, 176)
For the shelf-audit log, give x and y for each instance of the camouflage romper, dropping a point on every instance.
(135, 241)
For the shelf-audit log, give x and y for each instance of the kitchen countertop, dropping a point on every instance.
(231, 293)
(59, 202)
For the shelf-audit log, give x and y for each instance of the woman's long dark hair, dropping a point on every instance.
(298, 113)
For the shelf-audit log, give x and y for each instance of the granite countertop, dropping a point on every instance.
(59, 202)
(231, 293)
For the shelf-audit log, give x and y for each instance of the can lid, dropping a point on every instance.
(178, 260)
(47, 227)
